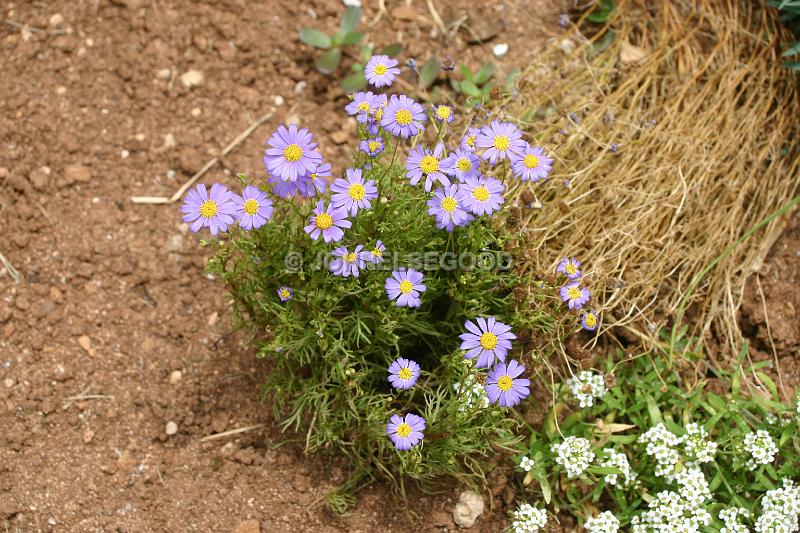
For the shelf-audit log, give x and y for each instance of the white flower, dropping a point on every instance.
(614, 459)
(730, 517)
(662, 444)
(780, 508)
(696, 448)
(526, 463)
(528, 519)
(587, 386)
(760, 447)
(473, 395)
(574, 454)
(605, 522)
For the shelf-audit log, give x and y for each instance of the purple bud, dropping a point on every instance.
(614, 147)
(574, 117)
(563, 20)
(411, 63)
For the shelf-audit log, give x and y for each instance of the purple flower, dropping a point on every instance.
(292, 153)
(372, 147)
(253, 208)
(285, 294)
(363, 105)
(569, 267)
(315, 182)
(468, 140)
(372, 127)
(352, 193)
(403, 373)
(214, 211)
(589, 320)
(487, 340)
(327, 222)
(405, 432)
(403, 116)
(483, 196)
(504, 387)
(448, 206)
(531, 164)
(422, 162)
(381, 70)
(461, 164)
(574, 295)
(375, 255)
(443, 113)
(347, 263)
(501, 139)
(404, 286)
(287, 189)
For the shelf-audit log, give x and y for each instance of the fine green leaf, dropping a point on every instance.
(350, 20)
(485, 72)
(470, 88)
(351, 38)
(429, 73)
(328, 62)
(315, 38)
(354, 82)
(392, 50)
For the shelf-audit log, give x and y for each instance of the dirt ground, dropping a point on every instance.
(113, 305)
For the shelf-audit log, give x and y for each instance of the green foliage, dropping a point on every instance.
(601, 12)
(790, 16)
(346, 36)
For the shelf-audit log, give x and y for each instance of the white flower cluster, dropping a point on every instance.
(526, 463)
(605, 522)
(668, 449)
(682, 511)
(615, 459)
(528, 519)
(760, 447)
(587, 386)
(474, 395)
(780, 509)
(730, 517)
(574, 454)
(797, 409)
(696, 446)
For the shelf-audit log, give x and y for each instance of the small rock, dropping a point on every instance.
(86, 343)
(500, 49)
(301, 482)
(213, 318)
(278, 100)
(40, 177)
(3, 172)
(88, 435)
(164, 74)
(55, 295)
(468, 509)
(192, 78)
(404, 12)
(340, 137)
(567, 46)
(124, 154)
(125, 462)
(248, 526)
(172, 428)
(300, 86)
(77, 172)
(175, 243)
(56, 20)
(169, 141)
(175, 377)
(9, 382)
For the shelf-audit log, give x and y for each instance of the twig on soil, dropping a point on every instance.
(436, 18)
(11, 270)
(769, 333)
(179, 193)
(70, 402)
(381, 12)
(85, 396)
(231, 432)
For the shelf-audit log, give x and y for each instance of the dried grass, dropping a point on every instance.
(706, 125)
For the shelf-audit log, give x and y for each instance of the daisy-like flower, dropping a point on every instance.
(363, 105)
(315, 182)
(405, 431)
(574, 295)
(403, 117)
(381, 70)
(487, 340)
(404, 286)
(253, 208)
(214, 210)
(292, 153)
(448, 206)
(372, 127)
(403, 373)
(327, 222)
(504, 387)
(424, 162)
(501, 140)
(285, 294)
(375, 255)
(569, 267)
(483, 196)
(347, 263)
(372, 147)
(461, 164)
(468, 140)
(353, 193)
(443, 113)
(526, 463)
(531, 164)
(590, 320)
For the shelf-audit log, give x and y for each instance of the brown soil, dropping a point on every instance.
(113, 305)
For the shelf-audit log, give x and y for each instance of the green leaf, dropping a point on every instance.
(485, 72)
(546, 491)
(794, 49)
(429, 73)
(392, 50)
(653, 411)
(350, 20)
(603, 470)
(470, 88)
(366, 52)
(352, 38)
(329, 60)
(773, 389)
(315, 38)
(354, 82)
(467, 73)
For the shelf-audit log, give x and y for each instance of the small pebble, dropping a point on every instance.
(192, 78)
(278, 100)
(172, 428)
(164, 74)
(175, 376)
(196, 112)
(56, 20)
(9, 382)
(171, 174)
(124, 154)
(500, 49)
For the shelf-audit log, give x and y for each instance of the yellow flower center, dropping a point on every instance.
(505, 383)
(373, 145)
(464, 164)
(480, 193)
(364, 106)
(403, 117)
(403, 430)
(443, 112)
(501, 142)
(251, 206)
(406, 286)
(574, 293)
(488, 340)
(350, 258)
(570, 267)
(208, 209)
(429, 164)
(379, 69)
(591, 320)
(285, 293)
(379, 114)
(405, 373)
(376, 252)
(313, 175)
(470, 141)
(356, 191)
(531, 161)
(292, 153)
(449, 204)
(323, 221)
